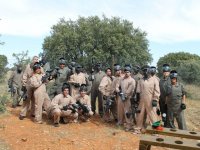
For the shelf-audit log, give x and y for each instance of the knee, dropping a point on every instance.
(90, 113)
(75, 115)
(56, 112)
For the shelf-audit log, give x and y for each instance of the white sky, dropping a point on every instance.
(165, 21)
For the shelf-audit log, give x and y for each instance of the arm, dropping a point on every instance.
(156, 93)
(25, 76)
(102, 85)
(131, 88)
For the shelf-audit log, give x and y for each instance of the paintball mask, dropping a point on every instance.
(145, 71)
(173, 74)
(166, 68)
(78, 69)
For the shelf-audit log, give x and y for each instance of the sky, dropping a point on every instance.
(171, 26)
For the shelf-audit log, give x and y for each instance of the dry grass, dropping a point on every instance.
(193, 92)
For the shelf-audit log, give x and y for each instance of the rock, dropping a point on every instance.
(24, 139)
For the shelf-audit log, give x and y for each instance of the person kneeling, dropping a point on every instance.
(84, 103)
(63, 107)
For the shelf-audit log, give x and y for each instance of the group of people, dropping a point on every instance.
(132, 99)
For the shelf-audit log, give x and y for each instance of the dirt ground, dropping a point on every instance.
(94, 135)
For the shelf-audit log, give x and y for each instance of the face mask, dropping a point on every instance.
(19, 70)
(78, 70)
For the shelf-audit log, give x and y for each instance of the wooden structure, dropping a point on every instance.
(170, 138)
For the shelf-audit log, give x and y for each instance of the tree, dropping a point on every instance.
(3, 63)
(190, 71)
(22, 58)
(106, 40)
(175, 60)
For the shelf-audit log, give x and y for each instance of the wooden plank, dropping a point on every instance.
(170, 142)
(175, 132)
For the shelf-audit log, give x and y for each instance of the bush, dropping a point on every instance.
(3, 102)
(190, 72)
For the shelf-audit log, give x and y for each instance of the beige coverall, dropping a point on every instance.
(149, 90)
(106, 88)
(77, 78)
(40, 95)
(26, 82)
(127, 86)
(57, 105)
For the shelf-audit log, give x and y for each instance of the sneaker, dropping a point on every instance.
(56, 125)
(39, 122)
(75, 121)
(21, 117)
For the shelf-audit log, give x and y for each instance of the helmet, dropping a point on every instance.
(62, 61)
(145, 68)
(65, 86)
(127, 67)
(83, 88)
(98, 66)
(152, 70)
(173, 74)
(19, 68)
(78, 68)
(166, 68)
(36, 66)
(137, 69)
(117, 67)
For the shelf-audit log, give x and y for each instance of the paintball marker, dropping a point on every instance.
(109, 103)
(51, 74)
(134, 108)
(84, 108)
(121, 94)
(23, 96)
(11, 89)
(72, 107)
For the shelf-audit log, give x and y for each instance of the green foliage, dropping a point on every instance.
(22, 58)
(175, 60)
(3, 63)
(3, 101)
(102, 39)
(190, 71)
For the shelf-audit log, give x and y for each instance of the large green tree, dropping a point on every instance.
(176, 59)
(107, 40)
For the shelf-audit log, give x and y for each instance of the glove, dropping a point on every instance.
(154, 103)
(44, 79)
(65, 108)
(23, 89)
(104, 97)
(183, 106)
(76, 85)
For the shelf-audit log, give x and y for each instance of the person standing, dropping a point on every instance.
(116, 81)
(148, 88)
(15, 85)
(176, 102)
(164, 82)
(60, 75)
(76, 80)
(27, 88)
(125, 89)
(37, 82)
(95, 93)
(105, 87)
